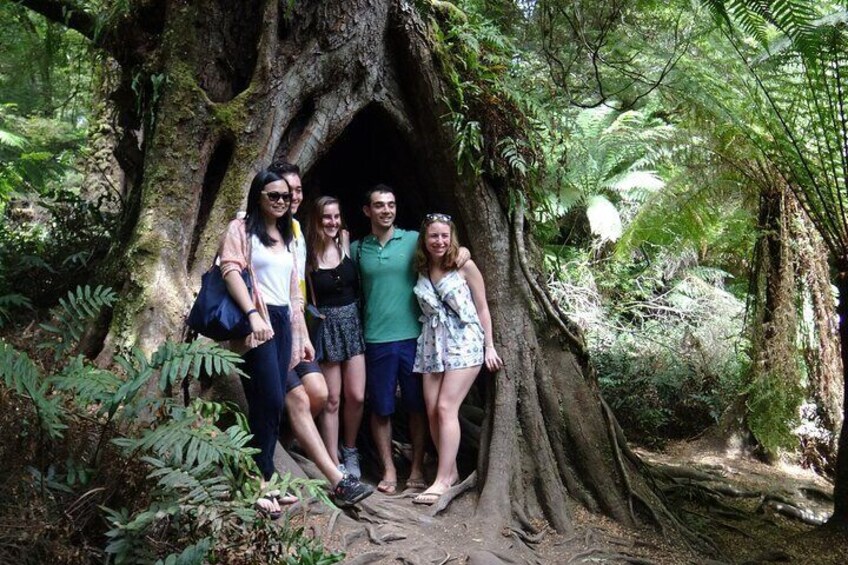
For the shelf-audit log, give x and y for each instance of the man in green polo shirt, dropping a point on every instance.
(386, 265)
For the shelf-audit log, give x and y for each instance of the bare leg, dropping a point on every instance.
(316, 390)
(303, 426)
(432, 384)
(381, 428)
(455, 387)
(418, 430)
(329, 419)
(353, 371)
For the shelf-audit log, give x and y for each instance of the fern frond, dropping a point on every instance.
(73, 315)
(21, 375)
(190, 440)
(192, 555)
(90, 384)
(176, 361)
(9, 302)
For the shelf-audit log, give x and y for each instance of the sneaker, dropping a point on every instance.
(349, 491)
(350, 459)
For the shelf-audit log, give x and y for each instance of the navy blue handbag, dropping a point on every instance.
(214, 313)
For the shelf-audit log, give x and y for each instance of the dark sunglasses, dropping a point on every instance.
(444, 218)
(276, 196)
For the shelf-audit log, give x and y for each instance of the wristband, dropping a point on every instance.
(251, 311)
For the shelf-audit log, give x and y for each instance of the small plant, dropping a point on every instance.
(173, 484)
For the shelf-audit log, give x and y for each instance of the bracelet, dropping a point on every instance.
(251, 311)
(492, 346)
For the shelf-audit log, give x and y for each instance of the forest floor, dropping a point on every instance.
(733, 501)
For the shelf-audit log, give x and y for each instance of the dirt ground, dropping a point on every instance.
(730, 502)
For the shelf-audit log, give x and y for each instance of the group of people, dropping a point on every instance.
(400, 308)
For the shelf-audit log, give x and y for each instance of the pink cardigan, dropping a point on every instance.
(235, 256)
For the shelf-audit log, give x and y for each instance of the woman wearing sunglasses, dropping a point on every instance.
(335, 287)
(261, 243)
(456, 339)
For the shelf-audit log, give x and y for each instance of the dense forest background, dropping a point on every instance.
(681, 169)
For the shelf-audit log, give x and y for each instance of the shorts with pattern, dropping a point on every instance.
(342, 333)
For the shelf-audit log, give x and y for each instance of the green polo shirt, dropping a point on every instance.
(388, 275)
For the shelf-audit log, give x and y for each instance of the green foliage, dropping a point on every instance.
(9, 302)
(53, 246)
(74, 314)
(196, 501)
(21, 375)
(666, 340)
(773, 411)
(475, 57)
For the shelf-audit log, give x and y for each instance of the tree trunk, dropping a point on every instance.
(774, 390)
(350, 92)
(839, 519)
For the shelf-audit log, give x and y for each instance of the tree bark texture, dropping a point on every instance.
(791, 276)
(350, 91)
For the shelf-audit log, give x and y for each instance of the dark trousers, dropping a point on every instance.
(267, 366)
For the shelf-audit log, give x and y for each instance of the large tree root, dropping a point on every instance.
(444, 501)
(710, 486)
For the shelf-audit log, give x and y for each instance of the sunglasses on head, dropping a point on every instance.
(276, 196)
(430, 218)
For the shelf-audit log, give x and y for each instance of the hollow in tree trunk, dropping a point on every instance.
(350, 91)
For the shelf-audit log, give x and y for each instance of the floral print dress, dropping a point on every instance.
(451, 335)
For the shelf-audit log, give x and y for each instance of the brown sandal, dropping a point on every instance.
(387, 487)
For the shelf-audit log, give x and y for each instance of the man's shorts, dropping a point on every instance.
(386, 366)
(293, 379)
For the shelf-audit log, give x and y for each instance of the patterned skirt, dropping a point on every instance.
(342, 333)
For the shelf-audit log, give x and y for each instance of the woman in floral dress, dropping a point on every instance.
(456, 339)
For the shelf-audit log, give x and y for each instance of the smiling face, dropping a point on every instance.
(296, 187)
(437, 240)
(381, 210)
(274, 200)
(331, 221)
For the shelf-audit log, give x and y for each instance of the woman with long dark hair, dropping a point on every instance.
(262, 244)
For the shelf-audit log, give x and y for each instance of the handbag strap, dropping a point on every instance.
(311, 289)
(361, 281)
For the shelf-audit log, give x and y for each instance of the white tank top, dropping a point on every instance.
(273, 269)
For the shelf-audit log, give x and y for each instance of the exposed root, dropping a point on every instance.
(596, 554)
(720, 523)
(526, 537)
(456, 490)
(789, 510)
(366, 558)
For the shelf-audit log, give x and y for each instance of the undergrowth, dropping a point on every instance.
(97, 467)
(668, 345)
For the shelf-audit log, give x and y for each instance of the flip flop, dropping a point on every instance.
(387, 487)
(272, 514)
(419, 483)
(282, 499)
(427, 498)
